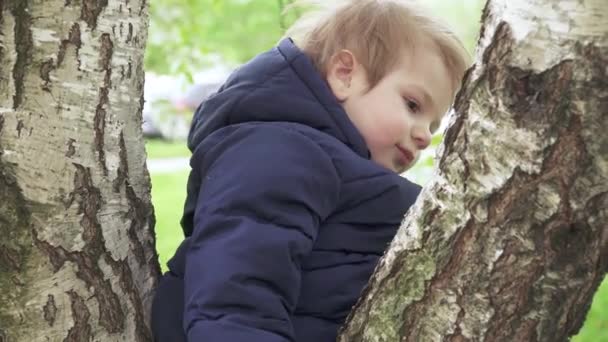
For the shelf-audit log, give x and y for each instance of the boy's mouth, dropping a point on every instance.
(406, 157)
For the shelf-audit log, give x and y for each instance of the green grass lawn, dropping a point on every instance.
(168, 195)
(156, 149)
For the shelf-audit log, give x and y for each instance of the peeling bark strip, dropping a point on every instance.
(89, 202)
(88, 198)
(140, 214)
(508, 242)
(105, 60)
(23, 46)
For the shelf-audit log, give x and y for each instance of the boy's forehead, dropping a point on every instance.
(427, 78)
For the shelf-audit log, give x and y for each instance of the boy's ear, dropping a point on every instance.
(340, 73)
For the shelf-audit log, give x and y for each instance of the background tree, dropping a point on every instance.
(77, 260)
(509, 241)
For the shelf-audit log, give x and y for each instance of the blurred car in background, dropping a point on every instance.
(170, 101)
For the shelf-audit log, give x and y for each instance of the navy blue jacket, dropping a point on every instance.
(286, 216)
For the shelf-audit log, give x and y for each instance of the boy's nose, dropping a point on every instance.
(422, 137)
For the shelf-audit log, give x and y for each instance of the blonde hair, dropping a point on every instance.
(376, 32)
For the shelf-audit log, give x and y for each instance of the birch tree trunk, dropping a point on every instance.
(509, 241)
(77, 259)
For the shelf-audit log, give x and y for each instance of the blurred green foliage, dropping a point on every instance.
(187, 35)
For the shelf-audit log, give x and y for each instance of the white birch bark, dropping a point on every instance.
(509, 241)
(77, 259)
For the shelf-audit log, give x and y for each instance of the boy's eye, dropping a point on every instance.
(412, 105)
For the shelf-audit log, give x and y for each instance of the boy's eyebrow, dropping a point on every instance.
(427, 99)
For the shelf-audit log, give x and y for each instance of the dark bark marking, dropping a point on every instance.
(81, 331)
(20, 127)
(74, 39)
(129, 34)
(71, 149)
(123, 272)
(50, 310)
(45, 71)
(23, 46)
(122, 173)
(497, 54)
(99, 121)
(90, 11)
(533, 98)
(142, 100)
(142, 7)
(129, 69)
(486, 15)
(461, 107)
(9, 257)
(1, 122)
(140, 214)
(57, 255)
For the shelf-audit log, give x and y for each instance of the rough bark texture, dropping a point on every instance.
(509, 240)
(77, 259)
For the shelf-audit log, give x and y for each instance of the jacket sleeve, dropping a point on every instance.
(265, 191)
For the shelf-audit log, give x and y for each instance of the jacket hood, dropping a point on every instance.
(279, 85)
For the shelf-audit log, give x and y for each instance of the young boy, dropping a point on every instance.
(295, 192)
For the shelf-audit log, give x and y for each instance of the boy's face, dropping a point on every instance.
(398, 115)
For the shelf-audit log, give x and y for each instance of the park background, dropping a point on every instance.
(192, 47)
